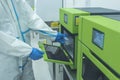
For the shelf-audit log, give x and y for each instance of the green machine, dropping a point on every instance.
(69, 20)
(69, 17)
(99, 44)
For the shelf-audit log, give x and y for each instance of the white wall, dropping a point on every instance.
(48, 10)
(113, 4)
(74, 3)
(80, 3)
(68, 3)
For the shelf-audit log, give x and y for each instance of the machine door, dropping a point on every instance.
(90, 71)
(69, 44)
(55, 54)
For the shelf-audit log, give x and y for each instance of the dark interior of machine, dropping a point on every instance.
(90, 71)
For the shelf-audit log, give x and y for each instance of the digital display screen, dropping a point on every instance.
(98, 38)
(65, 18)
(55, 53)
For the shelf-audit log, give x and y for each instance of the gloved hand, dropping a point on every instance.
(60, 38)
(36, 54)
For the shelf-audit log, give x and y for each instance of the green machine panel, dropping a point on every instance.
(102, 35)
(69, 17)
(93, 68)
(70, 46)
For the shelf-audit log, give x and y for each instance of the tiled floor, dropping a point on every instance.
(40, 67)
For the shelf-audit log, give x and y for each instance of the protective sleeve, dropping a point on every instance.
(12, 46)
(33, 21)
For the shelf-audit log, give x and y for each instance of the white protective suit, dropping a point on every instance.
(16, 20)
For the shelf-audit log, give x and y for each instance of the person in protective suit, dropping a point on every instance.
(17, 19)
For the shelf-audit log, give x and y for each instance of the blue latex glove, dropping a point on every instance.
(36, 54)
(60, 38)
